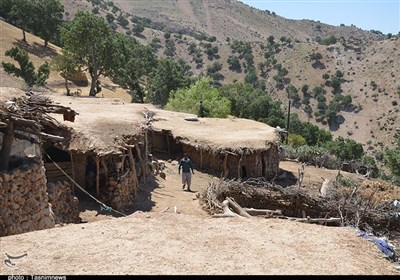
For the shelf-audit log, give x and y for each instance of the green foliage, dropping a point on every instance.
(122, 20)
(252, 103)
(311, 133)
(392, 159)
(132, 62)
(48, 17)
(304, 89)
(214, 68)
(26, 69)
(271, 40)
(186, 100)
(234, 63)
(251, 76)
(95, 10)
(166, 77)
(296, 140)
(318, 90)
(345, 149)
(155, 44)
(110, 17)
(90, 38)
(329, 41)
(67, 65)
(167, 35)
(315, 56)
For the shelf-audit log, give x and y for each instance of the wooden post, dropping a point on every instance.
(73, 171)
(226, 170)
(169, 149)
(104, 165)
(240, 166)
(97, 176)
(201, 157)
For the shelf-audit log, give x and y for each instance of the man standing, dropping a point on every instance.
(186, 165)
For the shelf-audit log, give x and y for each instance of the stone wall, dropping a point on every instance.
(64, 204)
(24, 204)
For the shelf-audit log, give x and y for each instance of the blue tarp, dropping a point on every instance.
(383, 245)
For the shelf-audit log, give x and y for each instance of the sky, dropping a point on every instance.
(380, 15)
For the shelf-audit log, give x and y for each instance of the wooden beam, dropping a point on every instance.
(97, 176)
(238, 208)
(256, 212)
(50, 136)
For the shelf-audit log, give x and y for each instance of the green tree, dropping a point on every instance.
(392, 159)
(67, 65)
(234, 63)
(133, 61)
(48, 17)
(167, 76)
(21, 11)
(138, 29)
(345, 149)
(251, 103)
(186, 100)
(91, 39)
(26, 69)
(110, 17)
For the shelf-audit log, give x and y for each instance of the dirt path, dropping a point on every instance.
(189, 242)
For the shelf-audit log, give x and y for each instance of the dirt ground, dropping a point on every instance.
(169, 234)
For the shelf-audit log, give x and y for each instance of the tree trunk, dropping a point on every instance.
(93, 85)
(46, 43)
(23, 35)
(5, 151)
(66, 87)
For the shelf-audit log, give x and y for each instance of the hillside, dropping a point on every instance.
(368, 61)
(158, 241)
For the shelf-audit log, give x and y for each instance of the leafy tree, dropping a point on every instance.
(21, 11)
(91, 39)
(5, 10)
(133, 61)
(26, 69)
(251, 103)
(234, 63)
(316, 56)
(271, 39)
(48, 17)
(167, 76)
(95, 10)
(392, 159)
(186, 100)
(122, 20)
(138, 29)
(110, 17)
(345, 149)
(304, 89)
(167, 35)
(251, 76)
(67, 65)
(296, 140)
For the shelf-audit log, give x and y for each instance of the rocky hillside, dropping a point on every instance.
(207, 35)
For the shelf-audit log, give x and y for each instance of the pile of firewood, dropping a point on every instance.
(347, 206)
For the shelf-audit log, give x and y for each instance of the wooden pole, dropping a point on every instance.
(169, 149)
(288, 123)
(201, 157)
(97, 176)
(238, 208)
(73, 171)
